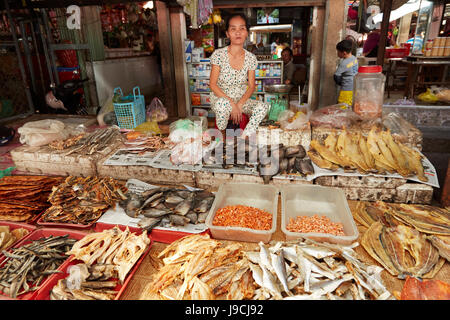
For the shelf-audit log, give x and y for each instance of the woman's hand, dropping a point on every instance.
(236, 112)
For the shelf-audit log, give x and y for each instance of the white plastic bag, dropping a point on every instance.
(187, 152)
(42, 132)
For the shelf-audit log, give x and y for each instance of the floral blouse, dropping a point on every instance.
(231, 81)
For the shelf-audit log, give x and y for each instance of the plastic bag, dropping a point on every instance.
(334, 116)
(156, 111)
(148, 127)
(442, 93)
(397, 124)
(293, 121)
(187, 152)
(106, 115)
(428, 96)
(42, 132)
(183, 129)
(276, 108)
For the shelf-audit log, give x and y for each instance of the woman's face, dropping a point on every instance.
(237, 31)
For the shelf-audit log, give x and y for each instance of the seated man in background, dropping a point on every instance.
(289, 67)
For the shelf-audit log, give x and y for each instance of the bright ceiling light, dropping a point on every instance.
(148, 5)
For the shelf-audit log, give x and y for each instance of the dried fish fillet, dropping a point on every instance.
(401, 250)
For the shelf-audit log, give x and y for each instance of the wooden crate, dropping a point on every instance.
(369, 188)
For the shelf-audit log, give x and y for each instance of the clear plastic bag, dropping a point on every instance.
(183, 129)
(156, 111)
(290, 120)
(187, 152)
(106, 115)
(42, 132)
(441, 93)
(334, 116)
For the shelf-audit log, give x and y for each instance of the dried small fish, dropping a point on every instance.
(26, 267)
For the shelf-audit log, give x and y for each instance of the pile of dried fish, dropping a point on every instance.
(199, 268)
(308, 270)
(64, 144)
(24, 197)
(8, 237)
(405, 239)
(378, 153)
(166, 206)
(25, 267)
(88, 283)
(290, 160)
(112, 246)
(83, 200)
(270, 160)
(147, 143)
(96, 141)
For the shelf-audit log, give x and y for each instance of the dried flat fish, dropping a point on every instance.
(402, 250)
(442, 243)
(415, 289)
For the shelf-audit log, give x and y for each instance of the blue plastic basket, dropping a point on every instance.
(130, 114)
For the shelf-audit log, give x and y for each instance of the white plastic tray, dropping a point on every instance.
(307, 200)
(264, 197)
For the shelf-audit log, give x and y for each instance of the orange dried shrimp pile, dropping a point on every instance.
(322, 224)
(243, 216)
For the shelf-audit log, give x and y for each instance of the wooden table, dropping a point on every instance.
(148, 267)
(415, 67)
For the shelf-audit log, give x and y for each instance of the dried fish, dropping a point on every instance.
(402, 250)
(25, 267)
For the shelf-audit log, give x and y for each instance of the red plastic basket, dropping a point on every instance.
(44, 292)
(35, 235)
(64, 225)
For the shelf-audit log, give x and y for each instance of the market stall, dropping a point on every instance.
(335, 204)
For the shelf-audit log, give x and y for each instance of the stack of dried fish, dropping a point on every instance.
(95, 142)
(112, 246)
(24, 197)
(405, 239)
(8, 237)
(25, 267)
(378, 153)
(308, 270)
(168, 206)
(88, 283)
(197, 267)
(147, 143)
(64, 144)
(269, 159)
(83, 200)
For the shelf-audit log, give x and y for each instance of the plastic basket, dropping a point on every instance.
(130, 114)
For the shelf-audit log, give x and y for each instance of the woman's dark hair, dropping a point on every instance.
(234, 15)
(345, 46)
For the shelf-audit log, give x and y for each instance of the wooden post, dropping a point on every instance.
(167, 66)
(317, 29)
(386, 9)
(334, 30)
(178, 32)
